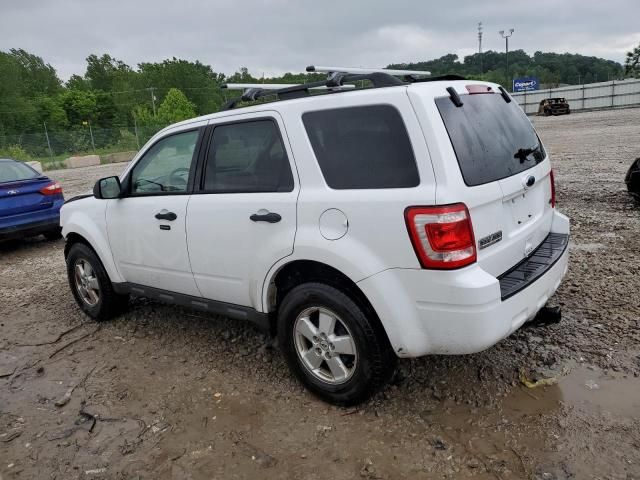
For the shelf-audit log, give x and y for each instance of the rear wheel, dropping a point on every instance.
(91, 286)
(335, 349)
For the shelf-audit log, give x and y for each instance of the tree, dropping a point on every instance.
(80, 106)
(197, 81)
(37, 76)
(175, 107)
(632, 63)
(103, 72)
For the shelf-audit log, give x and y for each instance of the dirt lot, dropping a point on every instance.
(163, 392)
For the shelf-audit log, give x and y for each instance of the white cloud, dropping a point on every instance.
(275, 36)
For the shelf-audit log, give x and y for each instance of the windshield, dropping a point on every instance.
(492, 139)
(16, 171)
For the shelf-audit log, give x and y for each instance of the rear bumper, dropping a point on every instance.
(459, 312)
(31, 224)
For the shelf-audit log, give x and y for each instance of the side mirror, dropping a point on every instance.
(107, 188)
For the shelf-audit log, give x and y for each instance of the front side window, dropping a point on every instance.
(247, 157)
(165, 167)
(362, 147)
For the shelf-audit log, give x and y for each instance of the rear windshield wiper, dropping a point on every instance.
(523, 153)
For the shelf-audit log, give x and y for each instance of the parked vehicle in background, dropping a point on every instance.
(554, 106)
(632, 179)
(415, 217)
(30, 202)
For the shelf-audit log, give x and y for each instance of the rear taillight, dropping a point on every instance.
(52, 189)
(552, 200)
(442, 236)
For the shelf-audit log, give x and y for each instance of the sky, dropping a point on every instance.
(277, 36)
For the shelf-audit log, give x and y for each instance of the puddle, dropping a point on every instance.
(590, 391)
(595, 392)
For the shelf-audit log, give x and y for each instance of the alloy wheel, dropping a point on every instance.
(86, 281)
(325, 345)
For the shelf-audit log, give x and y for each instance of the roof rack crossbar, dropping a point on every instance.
(274, 86)
(360, 70)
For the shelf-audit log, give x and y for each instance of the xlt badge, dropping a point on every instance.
(495, 237)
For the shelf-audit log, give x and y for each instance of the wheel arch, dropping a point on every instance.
(299, 271)
(99, 246)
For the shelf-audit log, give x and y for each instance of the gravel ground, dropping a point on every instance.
(163, 392)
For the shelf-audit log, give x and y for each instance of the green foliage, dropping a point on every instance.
(110, 96)
(175, 107)
(551, 68)
(144, 116)
(80, 106)
(632, 63)
(105, 71)
(16, 152)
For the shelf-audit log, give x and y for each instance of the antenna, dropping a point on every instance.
(359, 71)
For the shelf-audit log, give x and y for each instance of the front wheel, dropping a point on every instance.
(91, 286)
(334, 348)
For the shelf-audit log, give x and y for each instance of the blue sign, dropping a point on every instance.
(525, 84)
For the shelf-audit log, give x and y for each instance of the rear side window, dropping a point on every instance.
(492, 139)
(248, 157)
(362, 147)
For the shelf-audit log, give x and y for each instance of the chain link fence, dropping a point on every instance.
(592, 96)
(52, 147)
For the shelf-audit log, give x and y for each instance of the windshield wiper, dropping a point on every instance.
(523, 153)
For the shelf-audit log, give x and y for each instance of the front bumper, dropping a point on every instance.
(462, 311)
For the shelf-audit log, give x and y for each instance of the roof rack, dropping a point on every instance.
(338, 79)
(335, 82)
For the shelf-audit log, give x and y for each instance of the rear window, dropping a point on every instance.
(492, 139)
(16, 171)
(362, 147)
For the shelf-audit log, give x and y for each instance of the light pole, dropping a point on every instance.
(480, 45)
(506, 39)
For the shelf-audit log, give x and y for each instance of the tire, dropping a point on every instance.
(362, 373)
(55, 234)
(104, 303)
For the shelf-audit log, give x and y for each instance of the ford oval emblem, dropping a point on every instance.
(529, 181)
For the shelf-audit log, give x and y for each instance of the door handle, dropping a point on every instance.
(266, 217)
(166, 215)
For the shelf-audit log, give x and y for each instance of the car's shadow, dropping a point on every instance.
(26, 244)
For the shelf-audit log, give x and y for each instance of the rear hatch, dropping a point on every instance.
(503, 174)
(20, 190)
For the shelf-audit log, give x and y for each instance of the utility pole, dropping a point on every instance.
(506, 37)
(480, 45)
(153, 100)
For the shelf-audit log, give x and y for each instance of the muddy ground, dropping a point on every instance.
(163, 392)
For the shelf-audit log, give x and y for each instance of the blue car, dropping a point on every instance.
(29, 202)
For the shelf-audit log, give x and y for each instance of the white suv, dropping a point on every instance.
(362, 225)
